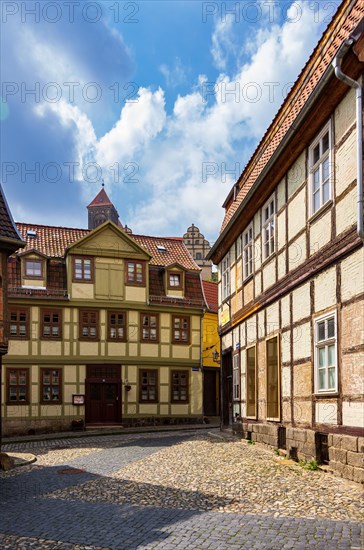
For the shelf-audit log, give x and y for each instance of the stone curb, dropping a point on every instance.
(105, 431)
(22, 459)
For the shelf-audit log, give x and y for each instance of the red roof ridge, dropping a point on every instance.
(52, 226)
(180, 239)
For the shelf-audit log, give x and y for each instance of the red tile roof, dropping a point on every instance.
(210, 290)
(175, 251)
(8, 228)
(101, 199)
(52, 241)
(343, 23)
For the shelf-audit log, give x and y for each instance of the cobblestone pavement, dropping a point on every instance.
(167, 491)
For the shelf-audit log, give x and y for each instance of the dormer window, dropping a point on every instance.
(34, 269)
(175, 280)
(82, 270)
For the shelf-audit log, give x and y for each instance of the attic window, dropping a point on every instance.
(31, 233)
(161, 248)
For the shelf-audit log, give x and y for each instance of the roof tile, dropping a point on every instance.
(210, 290)
(53, 241)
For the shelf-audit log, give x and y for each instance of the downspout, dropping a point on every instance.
(344, 48)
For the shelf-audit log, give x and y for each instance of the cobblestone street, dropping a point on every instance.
(172, 490)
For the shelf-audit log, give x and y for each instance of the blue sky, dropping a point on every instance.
(163, 100)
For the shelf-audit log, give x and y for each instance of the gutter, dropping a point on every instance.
(337, 62)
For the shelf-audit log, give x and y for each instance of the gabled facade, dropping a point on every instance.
(290, 261)
(104, 327)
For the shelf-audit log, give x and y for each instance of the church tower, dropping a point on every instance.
(101, 209)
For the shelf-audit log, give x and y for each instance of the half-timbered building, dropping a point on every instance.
(105, 327)
(290, 262)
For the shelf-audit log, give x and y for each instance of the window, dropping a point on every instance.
(18, 391)
(34, 269)
(117, 326)
(175, 280)
(320, 169)
(326, 353)
(51, 324)
(135, 274)
(236, 376)
(225, 277)
(148, 379)
(89, 325)
(273, 380)
(83, 270)
(248, 247)
(180, 393)
(269, 215)
(149, 324)
(181, 330)
(19, 323)
(251, 397)
(51, 384)
(238, 247)
(198, 256)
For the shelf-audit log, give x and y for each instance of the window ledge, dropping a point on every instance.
(326, 395)
(321, 211)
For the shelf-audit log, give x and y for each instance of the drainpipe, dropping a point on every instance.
(344, 48)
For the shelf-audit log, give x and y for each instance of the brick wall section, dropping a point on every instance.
(346, 452)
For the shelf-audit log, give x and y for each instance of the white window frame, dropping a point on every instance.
(323, 344)
(269, 224)
(318, 166)
(239, 247)
(248, 251)
(236, 377)
(225, 277)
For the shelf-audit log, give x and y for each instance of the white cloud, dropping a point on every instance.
(140, 122)
(172, 151)
(175, 75)
(222, 41)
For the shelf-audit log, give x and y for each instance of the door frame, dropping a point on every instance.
(107, 379)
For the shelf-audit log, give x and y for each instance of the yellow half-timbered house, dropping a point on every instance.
(105, 327)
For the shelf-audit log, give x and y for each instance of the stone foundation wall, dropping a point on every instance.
(346, 452)
(346, 455)
(32, 427)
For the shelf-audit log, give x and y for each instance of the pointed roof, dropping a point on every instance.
(9, 234)
(101, 199)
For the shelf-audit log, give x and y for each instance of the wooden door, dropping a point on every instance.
(227, 389)
(102, 402)
(210, 392)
